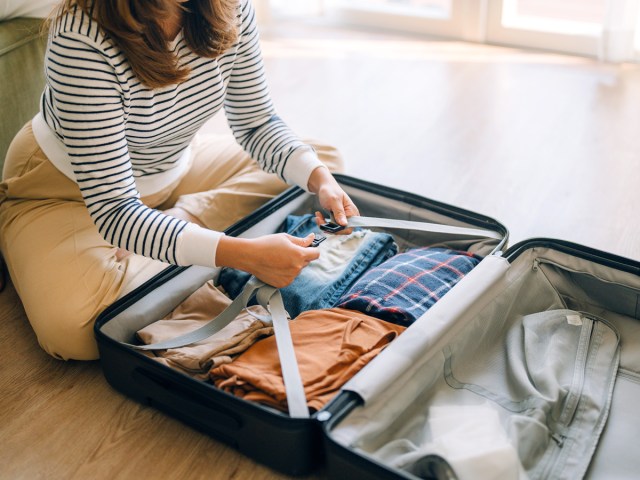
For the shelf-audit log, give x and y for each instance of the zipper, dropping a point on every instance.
(577, 382)
(629, 375)
(538, 261)
(559, 439)
(574, 395)
(552, 460)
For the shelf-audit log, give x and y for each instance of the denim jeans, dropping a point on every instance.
(343, 259)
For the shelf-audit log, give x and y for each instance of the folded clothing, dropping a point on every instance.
(343, 259)
(401, 289)
(197, 310)
(331, 346)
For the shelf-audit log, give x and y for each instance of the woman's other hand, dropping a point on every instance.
(275, 259)
(331, 196)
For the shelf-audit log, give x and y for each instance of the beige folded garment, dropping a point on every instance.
(198, 309)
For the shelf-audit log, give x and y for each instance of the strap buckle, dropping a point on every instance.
(331, 227)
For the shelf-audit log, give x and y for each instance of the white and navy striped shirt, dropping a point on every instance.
(118, 139)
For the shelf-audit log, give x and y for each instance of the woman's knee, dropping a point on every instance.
(64, 273)
(329, 155)
(21, 149)
(64, 334)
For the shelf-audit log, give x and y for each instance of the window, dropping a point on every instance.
(608, 29)
(434, 17)
(569, 16)
(573, 26)
(636, 42)
(426, 8)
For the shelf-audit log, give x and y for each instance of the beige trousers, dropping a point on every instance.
(65, 272)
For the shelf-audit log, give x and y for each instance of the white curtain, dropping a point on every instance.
(618, 31)
(292, 8)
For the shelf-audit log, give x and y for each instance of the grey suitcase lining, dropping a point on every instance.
(539, 279)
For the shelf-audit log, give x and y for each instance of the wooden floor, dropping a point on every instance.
(547, 144)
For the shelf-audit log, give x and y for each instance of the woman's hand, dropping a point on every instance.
(331, 196)
(275, 259)
(278, 259)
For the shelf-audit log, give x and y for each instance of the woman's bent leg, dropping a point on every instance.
(64, 276)
(65, 273)
(63, 270)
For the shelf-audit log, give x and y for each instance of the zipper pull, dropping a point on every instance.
(323, 416)
(536, 263)
(559, 439)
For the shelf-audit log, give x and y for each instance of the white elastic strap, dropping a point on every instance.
(294, 388)
(422, 226)
(270, 298)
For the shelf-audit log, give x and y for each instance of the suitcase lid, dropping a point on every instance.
(435, 327)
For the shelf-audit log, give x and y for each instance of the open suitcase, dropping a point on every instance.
(473, 347)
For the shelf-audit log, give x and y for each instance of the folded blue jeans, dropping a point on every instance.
(343, 259)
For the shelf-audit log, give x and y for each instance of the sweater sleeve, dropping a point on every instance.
(87, 98)
(252, 116)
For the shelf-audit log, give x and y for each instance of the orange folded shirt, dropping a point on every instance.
(331, 346)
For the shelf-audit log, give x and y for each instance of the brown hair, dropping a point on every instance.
(210, 28)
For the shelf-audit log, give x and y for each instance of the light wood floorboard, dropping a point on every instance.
(547, 144)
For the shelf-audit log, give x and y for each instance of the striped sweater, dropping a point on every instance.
(118, 139)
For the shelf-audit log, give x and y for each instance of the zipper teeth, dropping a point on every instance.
(537, 261)
(551, 462)
(629, 375)
(577, 384)
(574, 395)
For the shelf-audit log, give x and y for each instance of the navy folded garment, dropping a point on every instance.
(401, 289)
(321, 284)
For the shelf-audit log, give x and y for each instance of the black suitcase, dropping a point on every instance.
(291, 445)
(241, 424)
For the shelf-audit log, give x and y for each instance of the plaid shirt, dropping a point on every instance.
(404, 287)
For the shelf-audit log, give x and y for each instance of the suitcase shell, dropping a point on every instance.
(581, 276)
(607, 281)
(299, 448)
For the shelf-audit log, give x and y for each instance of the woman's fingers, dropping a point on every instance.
(320, 220)
(307, 254)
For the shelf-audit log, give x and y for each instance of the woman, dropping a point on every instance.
(109, 183)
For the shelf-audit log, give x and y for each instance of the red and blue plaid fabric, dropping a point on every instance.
(402, 288)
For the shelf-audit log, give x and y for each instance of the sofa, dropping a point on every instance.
(22, 48)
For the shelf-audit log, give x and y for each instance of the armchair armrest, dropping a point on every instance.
(22, 48)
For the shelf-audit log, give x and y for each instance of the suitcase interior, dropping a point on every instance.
(292, 446)
(379, 405)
